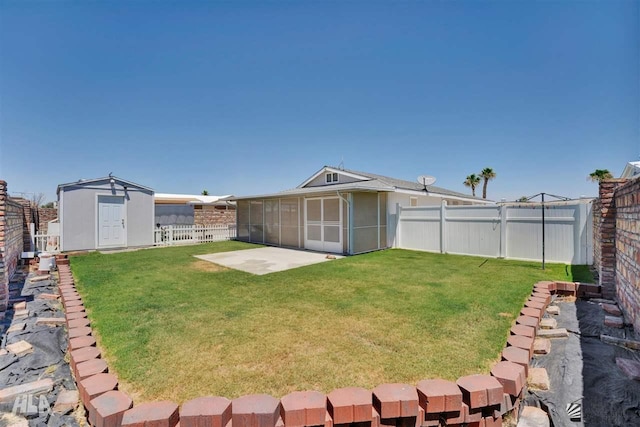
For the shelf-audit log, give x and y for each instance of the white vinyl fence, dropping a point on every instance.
(188, 234)
(502, 231)
(47, 243)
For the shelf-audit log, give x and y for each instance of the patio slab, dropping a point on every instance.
(267, 260)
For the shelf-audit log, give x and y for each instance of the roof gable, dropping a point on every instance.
(344, 176)
(83, 182)
(630, 170)
(318, 180)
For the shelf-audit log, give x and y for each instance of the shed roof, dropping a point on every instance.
(82, 182)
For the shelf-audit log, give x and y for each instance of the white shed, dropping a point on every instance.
(105, 213)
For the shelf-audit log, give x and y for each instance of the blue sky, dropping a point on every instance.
(249, 98)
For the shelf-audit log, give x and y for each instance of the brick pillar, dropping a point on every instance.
(605, 231)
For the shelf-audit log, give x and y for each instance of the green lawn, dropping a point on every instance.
(175, 327)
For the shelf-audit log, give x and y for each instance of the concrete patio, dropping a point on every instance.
(267, 260)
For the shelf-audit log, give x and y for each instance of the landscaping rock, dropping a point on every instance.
(66, 402)
(612, 309)
(548, 324)
(51, 321)
(541, 346)
(46, 296)
(35, 387)
(614, 321)
(16, 327)
(553, 333)
(538, 379)
(21, 314)
(631, 368)
(553, 310)
(533, 417)
(20, 348)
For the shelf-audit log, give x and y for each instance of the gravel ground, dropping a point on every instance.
(582, 370)
(48, 359)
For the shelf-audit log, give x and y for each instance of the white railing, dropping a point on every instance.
(188, 234)
(47, 243)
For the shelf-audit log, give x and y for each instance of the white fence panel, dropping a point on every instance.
(420, 228)
(47, 243)
(510, 231)
(189, 234)
(473, 230)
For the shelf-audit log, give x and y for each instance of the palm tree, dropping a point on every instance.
(472, 181)
(487, 174)
(599, 175)
(205, 193)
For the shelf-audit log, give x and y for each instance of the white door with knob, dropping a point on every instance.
(112, 227)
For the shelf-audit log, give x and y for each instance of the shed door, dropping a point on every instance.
(111, 222)
(323, 223)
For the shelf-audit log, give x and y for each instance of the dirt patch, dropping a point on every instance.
(207, 266)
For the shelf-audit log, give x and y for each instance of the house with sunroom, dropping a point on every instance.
(337, 210)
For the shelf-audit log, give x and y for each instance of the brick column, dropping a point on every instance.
(605, 236)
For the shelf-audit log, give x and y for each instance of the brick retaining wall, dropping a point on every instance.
(11, 242)
(473, 400)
